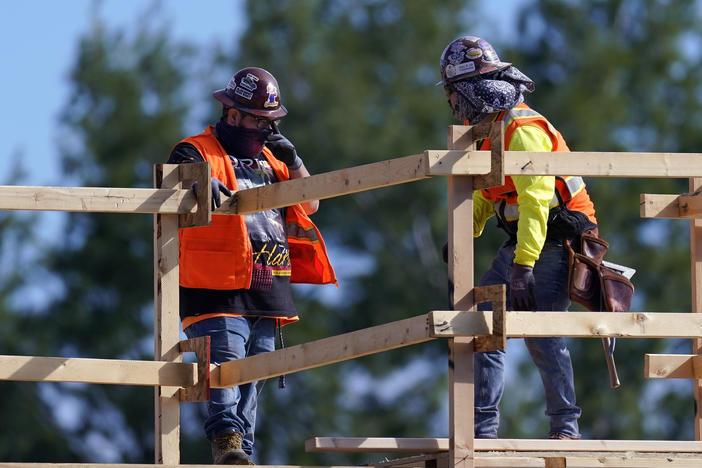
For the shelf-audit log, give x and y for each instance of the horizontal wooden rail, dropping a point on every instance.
(327, 185)
(671, 206)
(436, 445)
(672, 366)
(97, 371)
(97, 199)
(582, 163)
(355, 179)
(570, 324)
(325, 351)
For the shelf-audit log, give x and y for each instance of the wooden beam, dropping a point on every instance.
(460, 273)
(672, 366)
(671, 206)
(166, 320)
(570, 324)
(659, 206)
(326, 185)
(325, 351)
(583, 163)
(695, 185)
(436, 445)
(97, 371)
(97, 199)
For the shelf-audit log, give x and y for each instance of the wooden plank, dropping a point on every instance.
(583, 163)
(326, 185)
(671, 206)
(97, 199)
(695, 185)
(96, 371)
(671, 366)
(437, 445)
(460, 268)
(446, 323)
(624, 461)
(496, 133)
(496, 294)
(166, 320)
(189, 174)
(659, 206)
(200, 391)
(324, 351)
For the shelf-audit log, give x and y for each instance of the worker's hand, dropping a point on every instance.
(283, 149)
(217, 187)
(521, 285)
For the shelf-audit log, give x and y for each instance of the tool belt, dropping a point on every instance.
(590, 283)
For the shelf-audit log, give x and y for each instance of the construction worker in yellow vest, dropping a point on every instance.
(537, 212)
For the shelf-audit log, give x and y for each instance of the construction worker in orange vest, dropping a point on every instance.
(235, 274)
(537, 212)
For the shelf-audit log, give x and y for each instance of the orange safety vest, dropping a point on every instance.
(569, 190)
(220, 256)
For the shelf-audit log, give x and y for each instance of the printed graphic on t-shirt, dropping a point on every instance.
(271, 258)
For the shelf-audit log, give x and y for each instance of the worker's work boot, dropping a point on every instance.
(226, 450)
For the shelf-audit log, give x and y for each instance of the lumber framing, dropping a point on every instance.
(324, 351)
(97, 199)
(97, 371)
(694, 186)
(326, 185)
(448, 323)
(583, 163)
(673, 366)
(437, 445)
(166, 319)
(671, 206)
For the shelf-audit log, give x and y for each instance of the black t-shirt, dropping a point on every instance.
(269, 294)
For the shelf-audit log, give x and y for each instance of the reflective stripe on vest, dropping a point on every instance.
(568, 187)
(301, 232)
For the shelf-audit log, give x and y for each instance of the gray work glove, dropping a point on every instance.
(521, 285)
(217, 187)
(283, 149)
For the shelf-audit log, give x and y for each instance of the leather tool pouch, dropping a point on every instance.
(591, 284)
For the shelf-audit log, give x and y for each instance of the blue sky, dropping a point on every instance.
(38, 41)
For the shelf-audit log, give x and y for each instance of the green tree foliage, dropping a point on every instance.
(621, 76)
(22, 406)
(125, 112)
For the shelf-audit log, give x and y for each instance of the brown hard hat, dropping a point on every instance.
(468, 56)
(253, 90)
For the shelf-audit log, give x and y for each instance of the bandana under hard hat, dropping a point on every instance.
(494, 92)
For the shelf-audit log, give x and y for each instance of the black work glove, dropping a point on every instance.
(283, 149)
(521, 285)
(217, 187)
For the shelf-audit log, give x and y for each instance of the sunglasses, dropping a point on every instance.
(261, 122)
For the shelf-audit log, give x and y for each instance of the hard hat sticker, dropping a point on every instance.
(460, 69)
(474, 53)
(272, 99)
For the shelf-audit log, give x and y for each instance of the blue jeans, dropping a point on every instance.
(234, 338)
(550, 355)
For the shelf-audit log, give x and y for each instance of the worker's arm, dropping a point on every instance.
(482, 211)
(310, 207)
(534, 194)
(284, 150)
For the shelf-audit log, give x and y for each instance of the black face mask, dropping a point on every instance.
(240, 141)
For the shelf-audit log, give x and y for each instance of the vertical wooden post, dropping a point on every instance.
(460, 264)
(696, 264)
(166, 321)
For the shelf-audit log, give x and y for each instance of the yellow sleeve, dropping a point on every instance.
(534, 194)
(482, 211)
